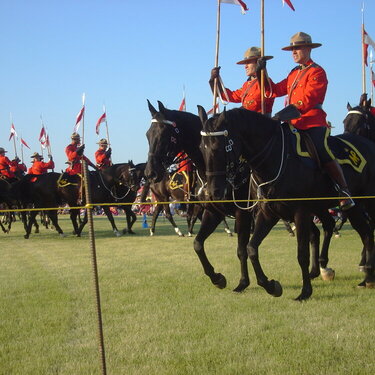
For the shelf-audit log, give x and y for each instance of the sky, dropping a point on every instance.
(122, 52)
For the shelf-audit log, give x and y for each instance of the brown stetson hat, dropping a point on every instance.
(301, 39)
(36, 155)
(251, 54)
(75, 136)
(103, 141)
(2, 150)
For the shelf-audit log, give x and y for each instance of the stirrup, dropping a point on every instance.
(346, 203)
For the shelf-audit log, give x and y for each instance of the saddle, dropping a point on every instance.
(66, 179)
(180, 180)
(344, 151)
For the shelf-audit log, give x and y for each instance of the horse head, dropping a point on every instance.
(164, 143)
(359, 120)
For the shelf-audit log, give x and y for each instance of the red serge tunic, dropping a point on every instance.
(250, 97)
(306, 89)
(40, 167)
(101, 159)
(5, 167)
(18, 167)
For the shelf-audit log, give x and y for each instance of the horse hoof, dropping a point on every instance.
(26, 237)
(131, 232)
(361, 285)
(277, 288)
(241, 287)
(117, 234)
(337, 235)
(370, 285)
(36, 231)
(220, 281)
(328, 274)
(292, 235)
(190, 235)
(63, 235)
(361, 268)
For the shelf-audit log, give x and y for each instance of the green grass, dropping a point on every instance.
(161, 315)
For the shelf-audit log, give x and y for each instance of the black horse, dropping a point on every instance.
(281, 174)
(117, 184)
(359, 120)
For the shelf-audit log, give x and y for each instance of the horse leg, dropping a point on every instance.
(53, 216)
(74, 213)
(243, 220)
(328, 224)
(314, 243)
(366, 232)
(169, 216)
(229, 232)
(109, 215)
(288, 228)
(210, 221)
(155, 216)
(196, 214)
(262, 227)
(302, 219)
(131, 218)
(30, 223)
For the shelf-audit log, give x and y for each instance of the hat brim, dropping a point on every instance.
(311, 45)
(247, 61)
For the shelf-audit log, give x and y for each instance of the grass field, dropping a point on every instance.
(161, 315)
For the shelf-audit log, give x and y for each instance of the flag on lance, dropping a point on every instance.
(237, 2)
(12, 132)
(211, 111)
(43, 137)
(183, 104)
(373, 77)
(78, 119)
(289, 3)
(23, 142)
(366, 42)
(102, 118)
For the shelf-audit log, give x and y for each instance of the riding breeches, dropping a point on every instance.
(319, 136)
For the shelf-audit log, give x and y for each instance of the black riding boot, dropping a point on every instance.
(334, 171)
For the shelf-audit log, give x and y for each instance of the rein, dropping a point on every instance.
(110, 190)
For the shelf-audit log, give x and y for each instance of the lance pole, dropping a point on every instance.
(216, 55)
(14, 135)
(371, 78)
(363, 51)
(22, 153)
(83, 164)
(262, 54)
(106, 129)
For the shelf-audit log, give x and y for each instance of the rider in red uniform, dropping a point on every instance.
(74, 152)
(5, 165)
(102, 155)
(39, 167)
(306, 87)
(19, 169)
(249, 94)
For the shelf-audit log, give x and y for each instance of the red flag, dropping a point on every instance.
(12, 132)
(78, 119)
(24, 143)
(289, 3)
(182, 105)
(102, 118)
(237, 2)
(373, 77)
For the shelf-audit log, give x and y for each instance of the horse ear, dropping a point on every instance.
(202, 114)
(349, 107)
(161, 107)
(151, 108)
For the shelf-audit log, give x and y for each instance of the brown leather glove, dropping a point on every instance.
(215, 73)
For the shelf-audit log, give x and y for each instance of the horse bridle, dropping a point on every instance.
(365, 125)
(265, 150)
(233, 167)
(173, 140)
